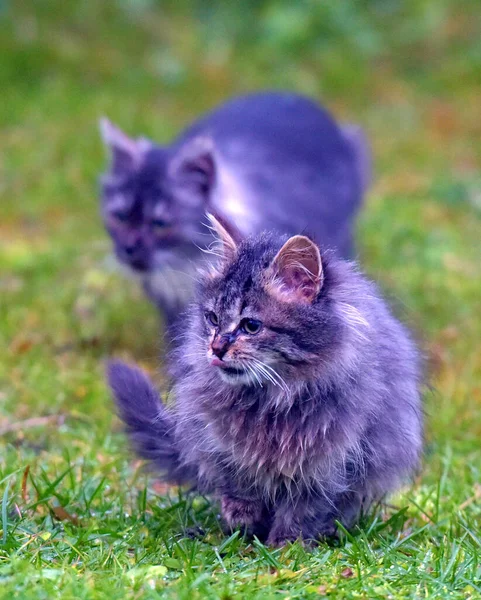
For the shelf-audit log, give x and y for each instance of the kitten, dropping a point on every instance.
(269, 159)
(297, 396)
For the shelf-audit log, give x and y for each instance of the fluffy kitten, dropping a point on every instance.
(274, 160)
(297, 400)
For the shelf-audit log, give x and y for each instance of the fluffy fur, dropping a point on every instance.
(297, 400)
(267, 159)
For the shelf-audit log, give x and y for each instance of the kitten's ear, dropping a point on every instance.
(195, 166)
(127, 153)
(227, 236)
(297, 270)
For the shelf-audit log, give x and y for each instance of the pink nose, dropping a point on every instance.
(220, 346)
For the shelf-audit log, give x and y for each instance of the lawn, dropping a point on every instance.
(80, 516)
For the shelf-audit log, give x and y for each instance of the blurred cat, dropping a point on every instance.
(270, 159)
(297, 392)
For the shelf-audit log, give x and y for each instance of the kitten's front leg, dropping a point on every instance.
(303, 518)
(292, 517)
(286, 527)
(240, 512)
(313, 519)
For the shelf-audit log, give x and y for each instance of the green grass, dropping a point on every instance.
(79, 517)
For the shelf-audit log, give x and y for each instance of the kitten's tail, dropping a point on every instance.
(148, 423)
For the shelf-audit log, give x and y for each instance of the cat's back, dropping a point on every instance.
(282, 159)
(282, 125)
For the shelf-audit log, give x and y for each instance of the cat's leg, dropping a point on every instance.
(350, 507)
(313, 518)
(250, 514)
(240, 512)
(288, 522)
(345, 509)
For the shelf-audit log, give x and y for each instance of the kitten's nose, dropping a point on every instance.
(221, 344)
(134, 255)
(133, 247)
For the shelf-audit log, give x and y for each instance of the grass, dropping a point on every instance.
(79, 516)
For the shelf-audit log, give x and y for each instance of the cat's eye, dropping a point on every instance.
(211, 318)
(251, 326)
(159, 224)
(121, 216)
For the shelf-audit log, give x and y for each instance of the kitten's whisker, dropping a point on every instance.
(260, 365)
(267, 376)
(253, 378)
(256, 376)
(266, 366)
(249, 378)
(251, 370)
(196, 335)
(263, 374)
(281, 381)
(273, 373)
(193, 355)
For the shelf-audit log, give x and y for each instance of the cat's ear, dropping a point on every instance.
(194, 166)
(227, 238)
(126, 153)
(297, 270)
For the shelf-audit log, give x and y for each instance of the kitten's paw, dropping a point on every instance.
(280, 536)
(328, 532)
(240, 513)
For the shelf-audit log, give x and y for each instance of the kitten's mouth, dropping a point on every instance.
(233, 371)
(139, 265)
(134, 265)
(216, 362)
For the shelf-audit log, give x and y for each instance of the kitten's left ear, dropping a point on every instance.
(127, 153)
(227, 235)
(195, 166)
(297, 270)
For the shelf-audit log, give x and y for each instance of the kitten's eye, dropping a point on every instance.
(251, 326)
(159, 224)
(211, 318)
(120, 216)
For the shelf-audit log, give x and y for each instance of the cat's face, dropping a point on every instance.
(255, 319)
(153, 203)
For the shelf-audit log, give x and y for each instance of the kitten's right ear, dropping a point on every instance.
(195, 166)
(227, 236)
(297, 270)
(126, 153)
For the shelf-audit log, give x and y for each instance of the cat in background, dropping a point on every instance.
(269, 159)
(296, 392)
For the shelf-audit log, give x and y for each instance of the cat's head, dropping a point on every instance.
(154, 199)
(262, 317)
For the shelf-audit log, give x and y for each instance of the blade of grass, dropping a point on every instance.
(4, 513)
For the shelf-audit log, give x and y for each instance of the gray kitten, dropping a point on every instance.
(271, 159)
(297, 392)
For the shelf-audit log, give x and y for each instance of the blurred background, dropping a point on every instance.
(408, 71)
